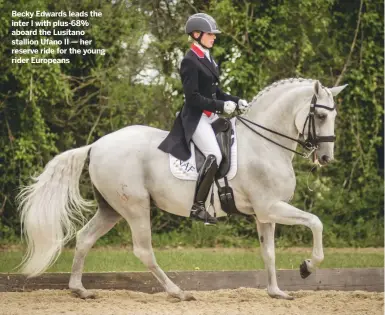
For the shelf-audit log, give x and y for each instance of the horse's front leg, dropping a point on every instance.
(283, 213)
(266, 239)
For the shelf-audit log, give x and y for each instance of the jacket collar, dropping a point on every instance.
(202, 58)
(197, 50)
(206, 51)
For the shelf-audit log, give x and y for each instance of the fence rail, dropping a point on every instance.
(347, 279)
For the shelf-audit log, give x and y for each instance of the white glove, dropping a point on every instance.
(229, 107)
(243, 106)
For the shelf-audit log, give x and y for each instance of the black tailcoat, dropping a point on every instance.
(200, 79)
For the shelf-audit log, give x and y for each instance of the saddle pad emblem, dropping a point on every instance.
(187, 170)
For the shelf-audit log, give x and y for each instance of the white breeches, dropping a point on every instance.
(204, 137)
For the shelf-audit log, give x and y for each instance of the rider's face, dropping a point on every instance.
(207, 39)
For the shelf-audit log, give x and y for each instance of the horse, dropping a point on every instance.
(127, 171)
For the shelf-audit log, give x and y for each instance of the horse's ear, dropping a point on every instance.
(337, 89)
(317, 87)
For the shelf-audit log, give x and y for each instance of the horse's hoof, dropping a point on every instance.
(181, 297)
(282, 297)
(188, 297)
(88, 295)
(278, 294)
(304, 270)
(84, 294)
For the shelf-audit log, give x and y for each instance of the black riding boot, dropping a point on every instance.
(205, 179)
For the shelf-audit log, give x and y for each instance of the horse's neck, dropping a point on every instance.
(276, 110)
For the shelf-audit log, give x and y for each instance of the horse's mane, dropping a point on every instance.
(280, 83)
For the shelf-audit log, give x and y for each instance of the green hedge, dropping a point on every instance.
(45, 109)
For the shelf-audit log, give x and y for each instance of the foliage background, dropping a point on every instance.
(47, 109)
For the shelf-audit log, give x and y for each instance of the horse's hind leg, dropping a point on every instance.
(138, 217)
(266, 239)
(103, 221)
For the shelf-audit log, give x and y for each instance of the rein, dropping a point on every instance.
(312, 141)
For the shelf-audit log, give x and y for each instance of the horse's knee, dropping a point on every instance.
(316, 224)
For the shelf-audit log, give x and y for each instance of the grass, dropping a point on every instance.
(120, 259)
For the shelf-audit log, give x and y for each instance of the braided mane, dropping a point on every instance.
(280, 83)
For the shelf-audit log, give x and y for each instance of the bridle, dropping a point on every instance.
(309, 144)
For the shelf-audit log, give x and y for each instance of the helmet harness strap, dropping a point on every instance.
(199, 39)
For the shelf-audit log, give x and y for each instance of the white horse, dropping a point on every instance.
(128, 170)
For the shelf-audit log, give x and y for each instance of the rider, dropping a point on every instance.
(203, 101)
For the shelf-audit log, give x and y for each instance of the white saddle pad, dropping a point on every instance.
(187, 170)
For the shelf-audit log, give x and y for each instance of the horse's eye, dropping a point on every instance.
(322, 116)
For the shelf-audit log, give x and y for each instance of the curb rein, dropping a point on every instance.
(312, 141)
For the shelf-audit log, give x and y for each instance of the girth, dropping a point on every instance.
(223, 131)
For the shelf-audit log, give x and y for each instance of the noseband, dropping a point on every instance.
(311, 142)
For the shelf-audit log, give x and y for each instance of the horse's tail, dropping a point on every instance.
(49, 209)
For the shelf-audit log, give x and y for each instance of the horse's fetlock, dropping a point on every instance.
(318, 258)
(75, 285)
(175, 292)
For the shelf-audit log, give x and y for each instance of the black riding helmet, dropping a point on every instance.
(203, 23)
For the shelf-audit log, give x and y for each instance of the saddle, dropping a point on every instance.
(224, 133)
(188, 170)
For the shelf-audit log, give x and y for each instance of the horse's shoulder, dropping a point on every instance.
(272, 170)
